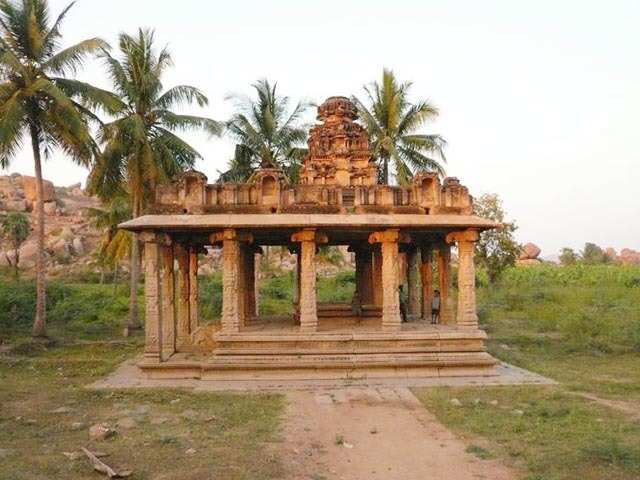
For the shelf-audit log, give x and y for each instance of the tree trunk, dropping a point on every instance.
(134, 269)
(40, 318)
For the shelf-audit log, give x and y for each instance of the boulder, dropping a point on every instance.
(529, 251)
(16, 205)
(50, 208)
(78, 246)
(28, 253)
(29, 186)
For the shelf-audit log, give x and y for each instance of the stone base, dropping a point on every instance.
(278, 352)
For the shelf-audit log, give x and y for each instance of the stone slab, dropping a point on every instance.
(128, 375)
(295, 220)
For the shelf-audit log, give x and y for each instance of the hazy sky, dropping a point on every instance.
(539, 100)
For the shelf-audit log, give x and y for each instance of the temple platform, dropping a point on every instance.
(274, 348)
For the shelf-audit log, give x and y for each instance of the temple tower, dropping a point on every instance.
(338, 148)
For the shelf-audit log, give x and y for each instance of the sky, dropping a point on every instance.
(538, 100)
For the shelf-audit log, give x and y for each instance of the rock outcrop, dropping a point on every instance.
(529, 255)
(70, 238)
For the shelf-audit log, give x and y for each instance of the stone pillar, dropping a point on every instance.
(308, 239)
(251, 283)
(167, 293)
(426, 274)
(366, 268)
(362, 255)
(242, 284)
(414, 283)
(257, 258)
(444, 283)
(388, 240)
(153, 308)
(467, 316)
(183, 292)
(376, 277)
(193, 288)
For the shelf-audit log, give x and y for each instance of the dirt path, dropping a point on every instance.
(375, 433)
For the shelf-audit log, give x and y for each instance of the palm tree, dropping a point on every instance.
(270, 135)
(37, 102)
(239, 167)
(393, 123)
(115, 244)
(141, 149)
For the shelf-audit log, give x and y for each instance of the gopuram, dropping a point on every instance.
(337, 201)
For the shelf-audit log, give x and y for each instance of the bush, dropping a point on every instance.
(72, 308)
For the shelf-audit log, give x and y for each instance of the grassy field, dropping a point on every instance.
(581, 327)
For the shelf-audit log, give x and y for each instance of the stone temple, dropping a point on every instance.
(337, 201)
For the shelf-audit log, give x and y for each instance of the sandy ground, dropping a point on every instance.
(375, 433)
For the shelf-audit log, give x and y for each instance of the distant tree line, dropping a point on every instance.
(591, 254)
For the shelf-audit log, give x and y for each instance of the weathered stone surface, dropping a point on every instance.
(101, 431)
(15, 205)
(529, 251)
(50, 208)
(29, 186)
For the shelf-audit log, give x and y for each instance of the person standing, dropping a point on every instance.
(435, 307)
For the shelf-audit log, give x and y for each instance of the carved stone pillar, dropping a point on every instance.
(444, 283)
(153, 308)
(251, 281)
(167, 294)
(256, 284)
(467, 316)
(426, 274)
(231, 281)
(414, 283)
(193, 288)
(183, 303)
(376, 277)
(367, 277)
(363, 273)
(388, 240)
(308, 239)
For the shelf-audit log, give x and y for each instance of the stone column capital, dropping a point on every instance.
(149, 236)
(309, 235)
(391, 235)
(230, 234)
(462, 236)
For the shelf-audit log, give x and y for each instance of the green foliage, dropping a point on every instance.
(36, 98)
(336, 289)
(267, 133)
(73, 309)
(592, 254)
(566, 310)
(568, 256)
(497, 249)
(393, 123)
(116, 243)
(141, 149)
(14, 230)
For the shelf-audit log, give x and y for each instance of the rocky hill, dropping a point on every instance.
(70, 237)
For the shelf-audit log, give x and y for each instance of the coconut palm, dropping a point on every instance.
(239, 167)
(38, 103)
(393, 123)
(140, 146)
(270, 134)
(115, 244)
